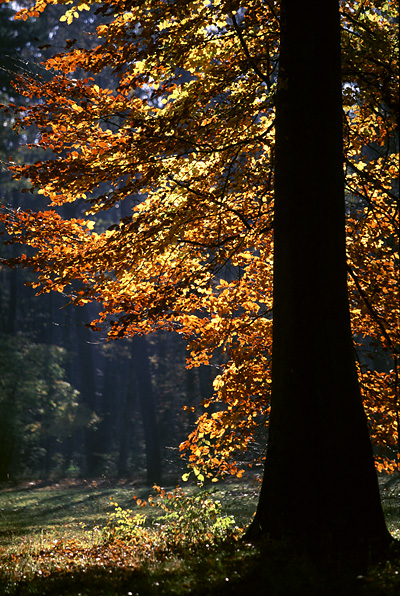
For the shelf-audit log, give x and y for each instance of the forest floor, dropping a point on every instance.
(86, 538)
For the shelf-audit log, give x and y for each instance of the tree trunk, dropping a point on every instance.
(126, 429)
(320, 487)
(87, 388)
(141, 364)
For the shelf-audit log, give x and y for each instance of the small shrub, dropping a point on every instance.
(178, 520)
(190, 520)
(124, 526)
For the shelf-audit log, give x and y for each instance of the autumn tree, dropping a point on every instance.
(319, 482)
(184, 137)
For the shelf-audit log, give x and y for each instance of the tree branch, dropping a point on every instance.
(371, 309)
(250, 60)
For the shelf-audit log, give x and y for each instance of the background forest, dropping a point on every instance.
(74, 404)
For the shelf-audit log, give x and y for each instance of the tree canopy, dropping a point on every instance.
(154, 196)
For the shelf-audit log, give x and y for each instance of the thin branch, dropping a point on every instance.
(369, 178)
(371, 309)
(250, 60)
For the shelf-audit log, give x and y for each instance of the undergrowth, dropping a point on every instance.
(175, 520)
(173, 542)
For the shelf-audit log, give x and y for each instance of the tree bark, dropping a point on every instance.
(320, 486)
(87, 387)
(126, 429)
(141, 364)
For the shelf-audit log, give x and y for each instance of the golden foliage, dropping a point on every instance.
(184, 137)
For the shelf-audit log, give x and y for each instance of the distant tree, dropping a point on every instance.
(38, 407)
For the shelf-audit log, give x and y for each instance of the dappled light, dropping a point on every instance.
(199, 223)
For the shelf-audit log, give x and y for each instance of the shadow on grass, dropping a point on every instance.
(233, 569)
(271, 570)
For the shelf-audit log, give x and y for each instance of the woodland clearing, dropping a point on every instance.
(56, 539)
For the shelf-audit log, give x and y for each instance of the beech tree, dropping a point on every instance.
(320, 483)
(185, 137)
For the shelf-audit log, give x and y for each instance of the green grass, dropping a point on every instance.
(52, 541)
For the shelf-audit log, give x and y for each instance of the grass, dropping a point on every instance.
(52, 541)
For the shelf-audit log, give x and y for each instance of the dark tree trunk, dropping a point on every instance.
(114, 372)
(126, 429)
(141, 364)
(320, 487)
(191, 396)
(87, 388)
(12, 303)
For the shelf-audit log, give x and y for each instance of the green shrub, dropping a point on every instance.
(190, 520)
(125, 527)
(178, 520)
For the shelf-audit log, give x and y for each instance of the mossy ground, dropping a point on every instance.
(52, 542)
